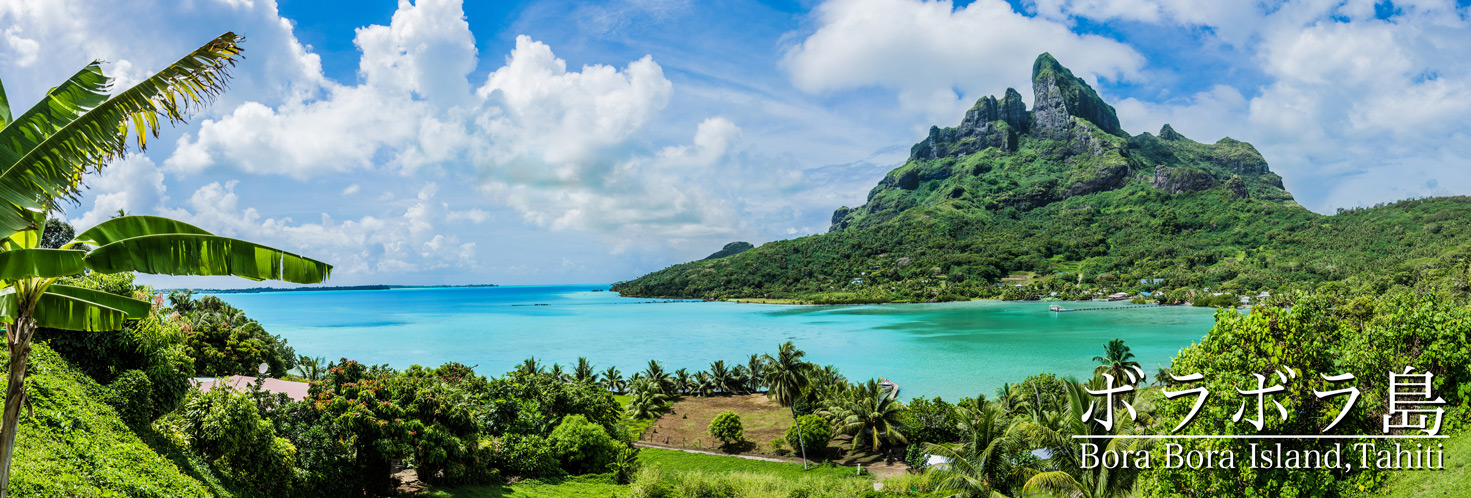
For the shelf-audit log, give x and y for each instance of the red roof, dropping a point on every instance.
(296, 390)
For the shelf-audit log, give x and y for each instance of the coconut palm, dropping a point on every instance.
(740, 378)
(556, 373)
(584, 371)
(661, 380)
(77, 128)
(1118, 362)
(1055, 434)
(682, 380)
(646, 401)
(529, 366)
(979, 466)
(786, 374)
(756, 366)
(871, 413)
(312, 368)
(613, 380)
(703, 385)
(1162, 377)
(722, 378)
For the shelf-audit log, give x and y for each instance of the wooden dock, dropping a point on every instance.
(1103, 308)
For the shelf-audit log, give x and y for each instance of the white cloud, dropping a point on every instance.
(369, 245)
(134, 185)
(929, 50)
(351, 189)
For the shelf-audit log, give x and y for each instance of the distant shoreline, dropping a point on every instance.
(261, 290)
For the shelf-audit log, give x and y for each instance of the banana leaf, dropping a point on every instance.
(44, 263)
(134, 308)
(63, 312)
(192, 254)
(127, 227)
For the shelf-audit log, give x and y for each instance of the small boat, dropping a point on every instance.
(890, 386)
(1057, 308)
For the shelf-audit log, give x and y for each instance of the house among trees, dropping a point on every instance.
(297, 391)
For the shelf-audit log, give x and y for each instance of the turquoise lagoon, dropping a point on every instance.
(945, 349)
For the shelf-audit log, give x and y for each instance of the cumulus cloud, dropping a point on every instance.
(368, 245)
(926, 51)
(560, 146)
(1355, 109)
(133, 185)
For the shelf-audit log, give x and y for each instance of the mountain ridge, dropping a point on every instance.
(1063, 192)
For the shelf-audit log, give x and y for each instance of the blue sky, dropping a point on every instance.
(555, 141)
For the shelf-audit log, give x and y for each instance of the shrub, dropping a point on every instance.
(777, 444)
(524, 456)
(814, 436)
(132, 397)
(226, 427)
(626, 465)
(582, 446)
(727, 428)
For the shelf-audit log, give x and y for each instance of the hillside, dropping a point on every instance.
(1063, 192)
(71, 443)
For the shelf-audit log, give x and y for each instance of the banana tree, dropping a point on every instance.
(77, 128)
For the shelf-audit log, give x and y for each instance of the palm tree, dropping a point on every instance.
(1118, 362)
(786, 374)
(1162, 377)
(721, 378)
(584, 371)
(74, 129)
(661, 380)
(557, 373)
(613, 380)
(682, 380)
(740, 379)
(757, 368)
(872, 414)
(312, 368)
(980, 466)
(529, 366)
(646, 401)
(703, 385)
(1055, 432)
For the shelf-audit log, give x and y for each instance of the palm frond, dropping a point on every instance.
(1056, 482)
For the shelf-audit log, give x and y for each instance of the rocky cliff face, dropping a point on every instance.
(1058, 96)
(1069, 144)
(989, 123)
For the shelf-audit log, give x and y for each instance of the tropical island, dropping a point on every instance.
(102, 399)
(1059, 200)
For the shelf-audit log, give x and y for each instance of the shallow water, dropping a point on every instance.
(947, 349)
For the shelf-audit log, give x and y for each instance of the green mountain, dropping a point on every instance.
(1061, 199)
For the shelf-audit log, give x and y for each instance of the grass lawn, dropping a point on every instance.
(1455, 480)
(572, 487)
(635, 426)
(679, 461)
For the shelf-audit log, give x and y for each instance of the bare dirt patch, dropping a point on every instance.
(684, 426)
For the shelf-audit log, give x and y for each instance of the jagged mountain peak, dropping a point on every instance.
(1058, 96)
(1070, 144)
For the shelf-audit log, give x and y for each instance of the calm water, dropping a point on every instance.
(949, 349)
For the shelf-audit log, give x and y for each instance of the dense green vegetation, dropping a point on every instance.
(1089, 211)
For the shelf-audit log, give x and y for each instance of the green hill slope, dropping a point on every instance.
(1061, 191)
(75, 444)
